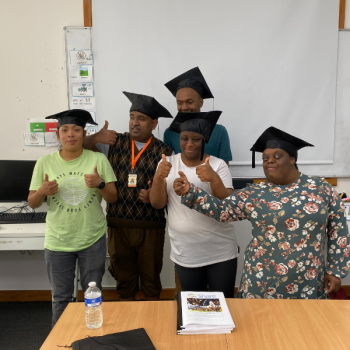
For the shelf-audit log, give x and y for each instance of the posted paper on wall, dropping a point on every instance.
(51, 126)
(41, 125)
(82, 89)
(34, 139)
(83, 103)
(51, 139)
(80, 57)
(80, 73)
(37, 127)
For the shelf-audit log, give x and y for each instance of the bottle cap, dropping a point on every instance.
(92, 284)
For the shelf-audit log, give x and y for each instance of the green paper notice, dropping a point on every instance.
(37, 127)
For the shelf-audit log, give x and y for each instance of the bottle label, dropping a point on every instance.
(93, 302)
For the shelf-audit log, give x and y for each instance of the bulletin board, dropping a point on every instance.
(80, 71)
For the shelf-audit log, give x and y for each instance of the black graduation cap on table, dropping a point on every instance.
(276, 138)
(128, 340)
(193, 79)
(78, 117)
(200, 122)
(147, 105)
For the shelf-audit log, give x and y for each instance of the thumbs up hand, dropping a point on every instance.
(205, 172)
(93, 180)
(144, 194)
(48, 188)
(163, 168)
(105, 136)
(181, 185)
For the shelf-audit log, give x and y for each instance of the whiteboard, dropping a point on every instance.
(267, 63)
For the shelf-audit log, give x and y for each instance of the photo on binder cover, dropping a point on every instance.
(203, 305)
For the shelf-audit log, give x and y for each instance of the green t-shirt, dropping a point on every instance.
(75, 219)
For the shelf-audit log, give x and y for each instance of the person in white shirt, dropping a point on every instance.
(204, 251)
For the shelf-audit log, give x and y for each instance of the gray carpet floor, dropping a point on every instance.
(24, 325)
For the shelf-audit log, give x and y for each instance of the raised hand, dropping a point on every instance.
(105, 136)
(163, 168)
(181, 185)
(93, 180)
(205, 172)
(144, 194)
(48, 188)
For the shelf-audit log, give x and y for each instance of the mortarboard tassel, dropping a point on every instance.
(202, 152)
(253, 159)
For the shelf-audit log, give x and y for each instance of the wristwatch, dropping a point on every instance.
(101, 185)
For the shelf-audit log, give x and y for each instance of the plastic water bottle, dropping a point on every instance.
(93, 308)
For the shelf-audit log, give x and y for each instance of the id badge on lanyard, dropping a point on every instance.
(132, 178)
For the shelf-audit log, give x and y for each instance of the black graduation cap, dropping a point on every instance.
(200, 122)
(276, 138)
(78, 117)
(128, 340)
(193, 79)
(147, 105)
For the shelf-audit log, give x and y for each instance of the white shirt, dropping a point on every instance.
(195, 239)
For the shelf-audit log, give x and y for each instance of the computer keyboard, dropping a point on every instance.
(22, 218)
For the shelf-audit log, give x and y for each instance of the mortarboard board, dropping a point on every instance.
(193, 79)
(200, 122)
(147, 105)
(127, 340)
(78, 117)
(276, 138)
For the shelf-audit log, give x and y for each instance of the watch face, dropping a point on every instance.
(101, 185)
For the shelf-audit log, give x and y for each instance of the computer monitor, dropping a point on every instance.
(15, 177)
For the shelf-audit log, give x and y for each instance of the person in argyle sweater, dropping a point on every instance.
(135, 229)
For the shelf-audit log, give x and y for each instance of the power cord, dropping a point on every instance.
(24, 208)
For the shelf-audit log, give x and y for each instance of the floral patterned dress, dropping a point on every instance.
(291, 225)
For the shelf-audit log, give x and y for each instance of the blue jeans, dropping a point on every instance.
(61, 271)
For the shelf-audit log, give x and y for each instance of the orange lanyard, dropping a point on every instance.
(133, 159)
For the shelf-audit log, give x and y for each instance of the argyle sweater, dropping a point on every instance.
(128, 210)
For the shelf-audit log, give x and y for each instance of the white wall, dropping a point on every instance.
(33, 75)
(32, 85)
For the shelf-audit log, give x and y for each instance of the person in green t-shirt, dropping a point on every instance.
(74, 181)
(189, 89)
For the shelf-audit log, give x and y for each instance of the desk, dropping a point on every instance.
(157, 317)
(28, 237)
(260, 324)
(289, 324)
(22, 237)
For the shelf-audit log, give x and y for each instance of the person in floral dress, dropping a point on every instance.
(293, 217)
